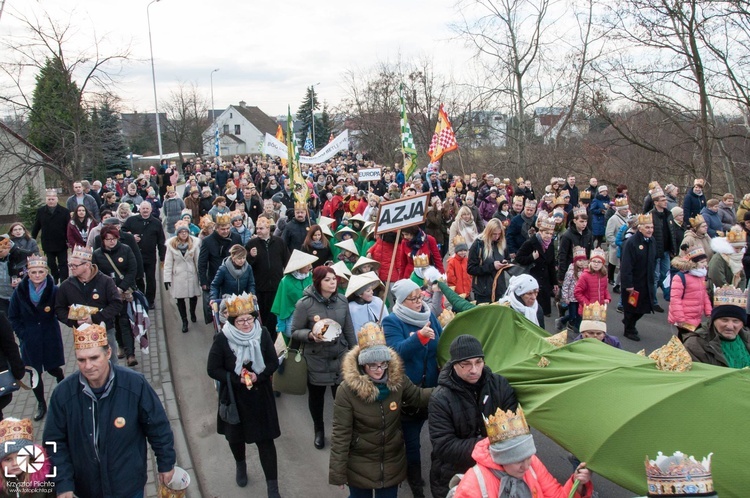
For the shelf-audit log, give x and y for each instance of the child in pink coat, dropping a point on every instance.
(592, 284)
(689, 298)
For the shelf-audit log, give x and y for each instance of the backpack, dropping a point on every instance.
(456, 479)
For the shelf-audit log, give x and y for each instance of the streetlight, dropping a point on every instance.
(312, 110)
(153, 79)
(213, 117)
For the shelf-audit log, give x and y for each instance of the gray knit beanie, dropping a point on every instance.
(513, 450)
(402, 289)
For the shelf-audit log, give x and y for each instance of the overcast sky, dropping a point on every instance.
(267, 52)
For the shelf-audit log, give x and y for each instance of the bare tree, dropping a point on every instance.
(187, 111)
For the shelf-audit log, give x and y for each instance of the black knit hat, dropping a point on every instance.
(464, 347)
(723, 311)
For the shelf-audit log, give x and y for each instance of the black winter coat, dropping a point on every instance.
(100, 291)
(214, 250)
(152, 237)
(54, 228)
(456, 423)
(692, 204)
(664, 241)
(268, 265)
(10, 356)
(569, 239)
(637, 271)
(259, 420)
(483, 272)
(542, 268)
(124, 260)
(294, 234)
(127, 239)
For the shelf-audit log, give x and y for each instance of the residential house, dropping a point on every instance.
(548, 120)
(21, 164)
(241, 129)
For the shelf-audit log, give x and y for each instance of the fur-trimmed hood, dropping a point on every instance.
(361, 384)
(683, 264)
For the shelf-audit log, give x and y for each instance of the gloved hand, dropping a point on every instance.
(166, 285)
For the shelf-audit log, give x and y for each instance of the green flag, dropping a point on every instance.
(298, 183)
(407, 139)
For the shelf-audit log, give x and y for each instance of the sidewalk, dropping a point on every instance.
(155, 367)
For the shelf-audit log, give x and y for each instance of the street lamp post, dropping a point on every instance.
(213, 117)
(312, 110)
(153, 79)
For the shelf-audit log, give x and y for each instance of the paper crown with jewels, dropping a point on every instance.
(506, 425)
(598, 253)
(621, 203)
(679, 475)
(371, 335)
(594, 317)
(51, 192)
(656, 193)
(205, 221)
(579, 253)
(546, 223)
(519, 179)
(35, 261)
(694, 252)
(300, 205)
(83, 253)
(242, 304)
(697, 221)
(652, 185)
(736, 236)
(224, 219)
(585, 195)
(730, 296)
(170, 188)
(181, 225)
(237, 215)
(421, 260)
(14, 435)
(90, 335)
(518, 198)
(645, 219)
(580, 211)
(559, 201)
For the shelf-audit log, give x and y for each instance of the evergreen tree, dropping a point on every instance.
(305, 114)
(30, 202)
(323, 128)
(143, 141)
(95, 153)
(114, 151)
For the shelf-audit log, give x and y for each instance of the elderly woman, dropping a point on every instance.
(32, 314)
(243, 360)
(522, 296)
(321, 301)
(538, 253)
(413, 331)
(367, 448)
(21, 238)
(364, 305)
(181, 270)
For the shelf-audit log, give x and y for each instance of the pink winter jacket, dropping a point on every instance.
(690, 303)
(591, 288)
(541, 483)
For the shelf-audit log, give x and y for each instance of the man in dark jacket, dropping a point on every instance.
(577, 235)
(695, 199)
(52, 220)
(149, 234)
(295, 230)
(666, 243)
(268, 255)
(570, 186)
(637, 275)
(467, 390)
(99, 422)
(215, 249)
(252, 201)
(518, 230)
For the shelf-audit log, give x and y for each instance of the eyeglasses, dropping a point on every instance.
(377, 366)
(71, 265)
(244, 320)
(110, 239)
(415, 299)
(466, 365)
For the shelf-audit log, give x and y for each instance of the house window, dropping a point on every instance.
(230, 115)
(236, 129)
(226, 129)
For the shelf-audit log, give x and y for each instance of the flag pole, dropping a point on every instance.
(390, 272)
(461, 162)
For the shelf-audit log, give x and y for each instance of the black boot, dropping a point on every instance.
(183, 314)
(320, 440)
(41, 411)
(241, 474)
(273, 489)
(193, 304)
(414, 477)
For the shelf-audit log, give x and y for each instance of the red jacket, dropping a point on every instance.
(458, 276)
(404, 263)
(74, 235)
(382, 252)
(541, 483)
(591, 288)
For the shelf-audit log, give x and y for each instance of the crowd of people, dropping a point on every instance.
(273, 271)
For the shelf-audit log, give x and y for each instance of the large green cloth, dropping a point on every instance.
(289, 292)
(612, 408)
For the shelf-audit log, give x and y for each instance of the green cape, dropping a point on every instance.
(289, 292)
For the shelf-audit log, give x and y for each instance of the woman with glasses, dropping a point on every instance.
(243, 359)
(413, 331)
(367, 448)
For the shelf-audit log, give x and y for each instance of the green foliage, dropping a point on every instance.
(323, 128)
(30, 202)
(305, 114)
(144, 140)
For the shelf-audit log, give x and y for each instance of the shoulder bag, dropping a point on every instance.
(228, 411)
(291, 376)
(8, 383)
(127, 295)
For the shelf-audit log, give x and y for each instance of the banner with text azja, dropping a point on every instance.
(402, 213)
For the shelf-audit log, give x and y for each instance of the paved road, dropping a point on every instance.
(303, 470)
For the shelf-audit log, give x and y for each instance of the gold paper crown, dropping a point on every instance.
(519, 179)
(697, 221)
(699, 181)
(598, 253)
(421, 261)
(506, 425)
(657, 192)
(736, 235)
(645, 219)
(13, 429)
(445, 317)
(579, 252)
(559, 201)
(585, 195)
(51, 191)
(170, 188)
(679, 475)
(452, 192)
(459, 239)
(89, 335)
(237, 215)
(695, 251)
(84, 253)
(204, 221)
(672, 357)
(621, 202)
(243, 304)
(35, 261)
(579, 211)
(118, 176)
(653, 184)
(5, 242)
(371, 335)
(518, 198)
(180, 225)
(223, 219)
(558, 340)
(595, 312)
(300, 205)
(730, 296)
(546, 224)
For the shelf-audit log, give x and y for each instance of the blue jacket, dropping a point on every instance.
(713, 220)
(692, 204)
(225, 283)
(597, 211)
(418, 360)
(518, 232)
(124, 417)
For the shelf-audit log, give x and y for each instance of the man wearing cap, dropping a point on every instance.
(52, 220)
(149, 234)
(467, 390)
(666, 243)
(99, 422)
(725, 339)
(695, 199)
(637, 275)
(79, 197)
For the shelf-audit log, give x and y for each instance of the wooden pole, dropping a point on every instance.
(461, 162)
(390, 272)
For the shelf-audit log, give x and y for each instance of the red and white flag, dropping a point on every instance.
(444, 140)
